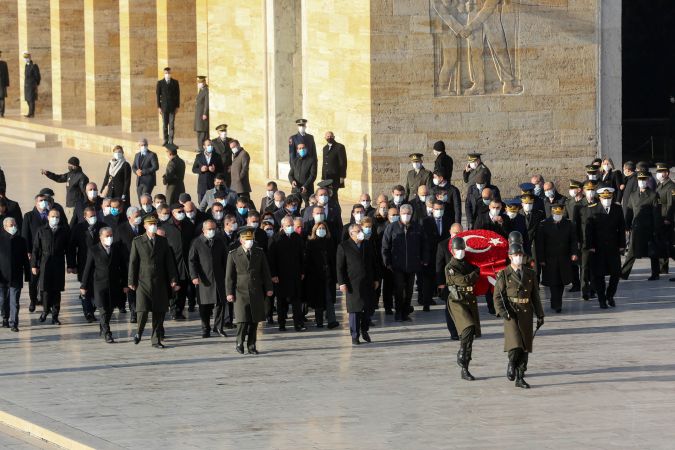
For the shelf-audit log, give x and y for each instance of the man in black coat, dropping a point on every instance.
(168, 102)
(301, 137)
(334, 166)
(31, 81)
(48, 263)
(474, 204)
(179, 232)
(83, 236)
(552, 197)
(303, 174)
(91, 200)
(14, 269)
(606, 240)
(221, 147)
(443, 163)
(436, 228)
(125, 234)
(116, 216)
(630, 184)
(104, 277)
(145, 167)
(33, 220)
(4, 84)
(13, 208)
(473, 167)
(76, 184)
(174, 175)
(206, 165)
(493, 219)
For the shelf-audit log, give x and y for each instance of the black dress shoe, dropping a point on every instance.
(179, 316)
(355, 341)
(109, 339)
(603, 305)
(586, 297)
(558, 310)
(158, 345)
(137, 339)
(432, 302)
(300, 328)
(31, 306)
(388, 311)
(454, 338)
(366, 336)
(15, 329)
(653, 278)
(230, 326)
(123, 310)
(91, 318)
(411, 309)
(220, 333)
(5, 323)
(426, 308)
(206, 334)
(239, 349)
(252, 351)
(43, 317)
(406, 319)
(333, 325)
(282, 327)
(574, 289)
(56, 321)
(319, 325)
(191, 309)
(611, 302)
(397, 316)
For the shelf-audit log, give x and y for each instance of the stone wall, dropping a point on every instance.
(9, 45)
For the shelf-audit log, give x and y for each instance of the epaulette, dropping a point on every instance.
(590, 205)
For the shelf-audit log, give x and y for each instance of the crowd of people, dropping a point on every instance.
(240, 265)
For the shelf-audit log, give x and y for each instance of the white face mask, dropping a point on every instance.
(107, 241)
(459, 254)
(511, 215)
(592, 177)
(318, 218)
(106, 210)
(590, 195)
(200, 85)
(269, 232)
(92, 220)
(393, 219)
(398, 199)
(365, 204)
(138, 220)
(438, 213)
(573, 193)
(417, 166)
(269, 194)
(642, 184)
(248, 244)
(321, 232)
(661, 176)
(147, 207)
(53, 222)
(517, 260)
(323, 199)
(423, 198)
(606, 202)
(117, 156)
(549, 194)
(218, 215)
(436, 181)
(144, 150)
(557, 217)
(494, 212)
(480, 187)
(210, 234)
(358, 217)
(43, 204)
(235, 150)
(288, 230)
(527, 207)
(152, 229)
(405, 218)
(606, 167)
(191, 214)
(92, 194)
(158, 204)
(180, 216)
(278, 204)
(223, 135)
(436, 153)
(429, 211)
(12, 230)
(301, 130)
(361, 236)
(27, 60)
(234, 226)
(473, 165)
(163, 217)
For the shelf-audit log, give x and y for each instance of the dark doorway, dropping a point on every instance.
(648, 42)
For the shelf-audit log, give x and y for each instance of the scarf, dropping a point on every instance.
(115, 166)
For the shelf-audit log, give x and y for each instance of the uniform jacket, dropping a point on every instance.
(298, 139)
(202, 109)
(470, 176)
(462, 304)
(31, 81)
(151, 270)
(556, 243)
(416, 179)
(606, 235)
(239, 172)
(248, 279)
(643, 217)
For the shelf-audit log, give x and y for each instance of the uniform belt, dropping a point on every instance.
(520, 301)
(464, 288)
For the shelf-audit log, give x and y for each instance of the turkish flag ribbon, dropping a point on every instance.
(487, 250)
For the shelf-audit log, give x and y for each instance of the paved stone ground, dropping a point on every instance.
(13, 439)
(601, 378)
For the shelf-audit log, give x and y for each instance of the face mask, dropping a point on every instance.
(606, 167)
(144, 150)
(92, 194)
(358, 217)
(180, 216)
(479, 187)
(288, 230)
(44, 204)
(557, 217)
(436, 153)
(438, 213)
(642, 184)
(301, 130)
(163, 217)
(234, 227)
(429, 211)
(191, 214)
(360, 237)
(318, 218)
(269, 194)
(590, 195)
(393, 219)
(398, 199)
(27, 60)
(200, 85)
(223, 135)
(494, 212)
(606, 202)
(235, 150)
(278, 204)
(537, 189)
(405, 218)
(209, 149)
(107, 241)
(661, 176)
(248, 244)
(365, 204)
(147, 208)
(218, 215)
(117, 156)
(323, 199)
(292, 208)
(417, 166)
(92, 220)
(592, 177)
(517, 259)
(137, 221)
(527, 207)
(473, 165)
(321, 232)
(152, 229)
(302, 152)
(106, 210)
(12, 230)
(423, 198)
(511, 214)
(114, 211)
(269, 232)
(443, 198)
(573, 192)
(242, 211)
(382, 212)
(549, 194)
(486, 201)
(167, 77)
(210, 234)
(53, 222)
(436, 181)
(459, 254)
(367, 231)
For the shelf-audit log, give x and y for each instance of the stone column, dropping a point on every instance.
(177, 48)
(68, 71)
(138, 64)
(202, 23)
(102, 62)
(34, 37)
(9, 45)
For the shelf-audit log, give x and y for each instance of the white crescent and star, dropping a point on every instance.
(492, 242)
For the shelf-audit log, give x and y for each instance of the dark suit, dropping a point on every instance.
(31, 81)
(303, 173)
(334, 166)
(606, 235)
(82, 237)
(173, 179)
(149, 165)
(207, 262)
(4, 84)
(14, 269)
(105, 273)
(32, 222)
(168, 100)
(298, 139)
(205, 180)
(426, 279)
(125, 234)
(180, 236)
(222, 149)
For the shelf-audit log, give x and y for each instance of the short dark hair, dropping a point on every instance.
(167, 69)
(221, 176)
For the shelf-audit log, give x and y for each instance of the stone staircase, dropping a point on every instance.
(27, 138)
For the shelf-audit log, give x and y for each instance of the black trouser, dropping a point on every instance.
(489, 301)
(205, 315)
(51, 302)
(201, 137)
(131, 297)
(269, 308)
(157, 325)
(87, 304)
(403, 290)
(426, 286)
(105, 312)
(586, 286)
(31, 107)
(2, 106)
(556, 293)
(221, 314)
(519, 358)
(359, 323)
(168, 119)
(177, 300)
(191, 295)
(630, 260)
(576, 279)
(386, 288)
(247, 331)
(448, 318)
(282, 311)
(610, 291)
(33, 291)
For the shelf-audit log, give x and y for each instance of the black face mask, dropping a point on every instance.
(330, 141)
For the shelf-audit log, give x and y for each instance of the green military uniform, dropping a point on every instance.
(517, 301)
(248, 279)
(666, 193)
(469, 176)
(416, 177)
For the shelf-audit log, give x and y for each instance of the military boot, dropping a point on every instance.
(460, 355)
(520, 379)
(511, 371)
(466, 375)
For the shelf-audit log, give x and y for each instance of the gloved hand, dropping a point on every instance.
(540, 321)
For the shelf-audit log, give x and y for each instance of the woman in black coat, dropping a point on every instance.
(117, 179)
(320, 274)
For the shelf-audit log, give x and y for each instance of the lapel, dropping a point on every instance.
(151, 248)
(242, 257)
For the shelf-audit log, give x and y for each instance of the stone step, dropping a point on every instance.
(28, 143)
(31, 135)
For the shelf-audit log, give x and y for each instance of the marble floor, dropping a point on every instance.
(600, 378)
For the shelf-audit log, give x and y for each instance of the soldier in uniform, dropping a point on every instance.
(556, 250)
(301, 137)
(574, 203)
(533, 217)
(665, 188)
(221, 147)
(417, 176)
(581, 217)
(151, 271)
(461, 276)
(247, 284)
(643, 217)
(606, 240)
(31, 81)
(174, 176)
(517, 301)
(473, 168)
(201, 124)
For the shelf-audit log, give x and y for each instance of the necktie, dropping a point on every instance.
(439, 225)
(607, 210)
(209, 242)
(152, 243)
(519, 274)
